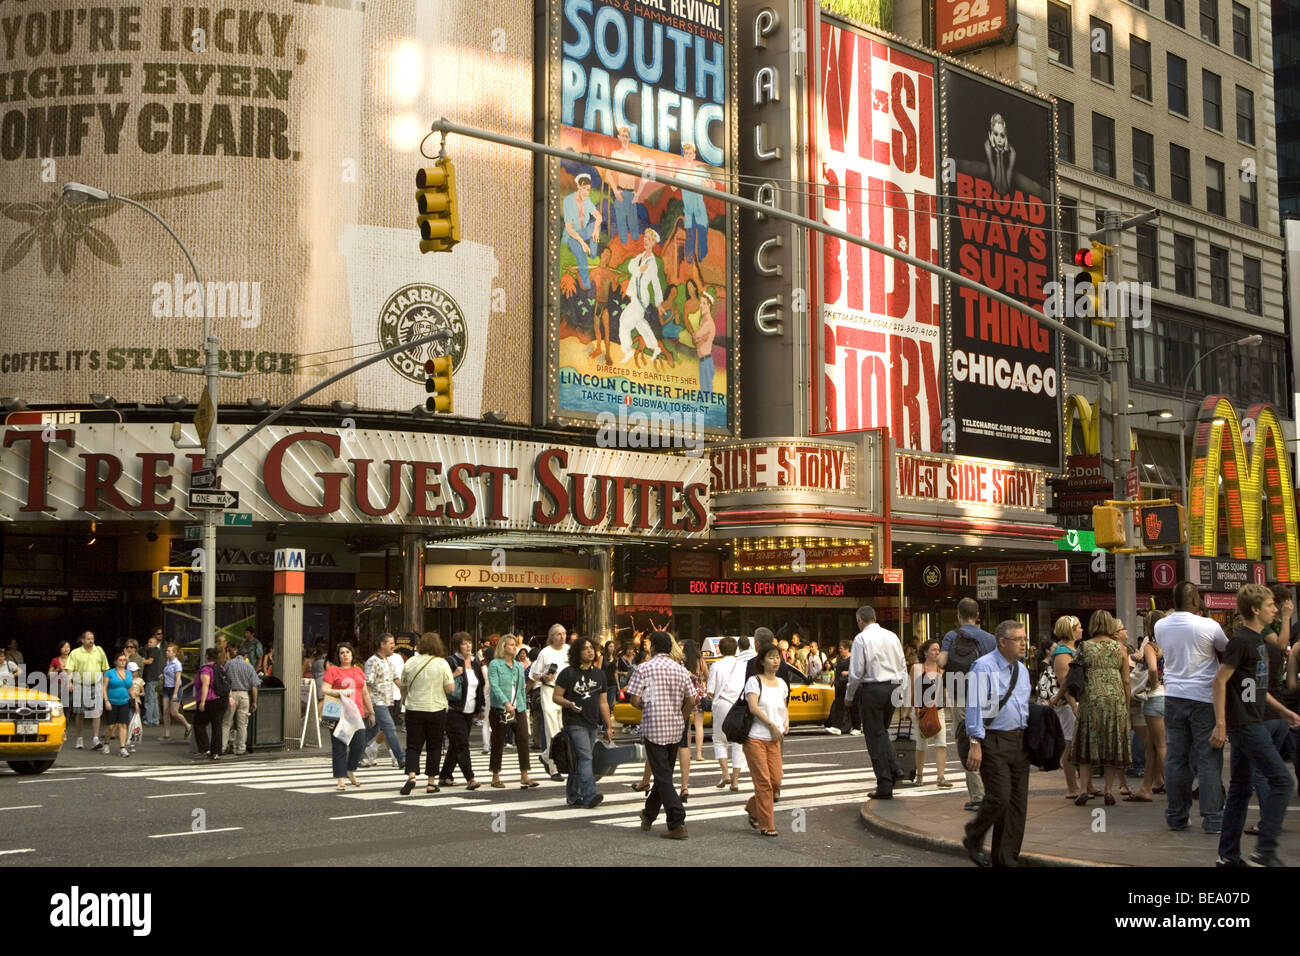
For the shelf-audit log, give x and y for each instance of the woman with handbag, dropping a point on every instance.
(346, 679)
(767, 697)
(1067, 632)
(1148, 686)
(507, 681)
(694, 663)
(426, 682)
(927, 684)
(725, 685)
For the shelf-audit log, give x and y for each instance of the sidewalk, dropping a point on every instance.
(1057, 833)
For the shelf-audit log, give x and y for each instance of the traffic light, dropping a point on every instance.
(1108, 526)
(1093, 263)
(437, 382)
(1164, 526)
(171, 585)
(435, 198)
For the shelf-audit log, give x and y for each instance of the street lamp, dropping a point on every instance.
(76, 193)
(1245, 340)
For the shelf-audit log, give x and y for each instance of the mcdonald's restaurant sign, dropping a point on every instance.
(1250, 456)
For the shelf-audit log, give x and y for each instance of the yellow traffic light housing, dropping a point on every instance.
(435, 199)
(171, 584)
(1108, 525)
(1092, 261)
(437, 382)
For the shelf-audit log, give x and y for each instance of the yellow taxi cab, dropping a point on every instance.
(810, 701)
(32, 728)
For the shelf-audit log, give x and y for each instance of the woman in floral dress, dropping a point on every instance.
(1101, 733)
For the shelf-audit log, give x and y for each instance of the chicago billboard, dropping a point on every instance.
(1004, 368)
(637, 279)
(280, 139)
(880, 326)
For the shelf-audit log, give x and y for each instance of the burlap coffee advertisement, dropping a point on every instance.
(280, 140)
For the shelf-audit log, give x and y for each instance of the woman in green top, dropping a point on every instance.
(509, 706)
(426, 682)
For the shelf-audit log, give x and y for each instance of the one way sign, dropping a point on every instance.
(220, 500)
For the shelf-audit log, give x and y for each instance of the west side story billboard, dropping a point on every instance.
(934, 160)
(880, 324)
(1004, 368)
(636, 277)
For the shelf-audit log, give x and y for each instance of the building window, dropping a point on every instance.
(1103, 59)
(1176, 72)
(1215, 194)
(1139, 68)
(1210, 21)
(1103, 145)
(1069, 227)
(1185, 265)
(1141, 4)
(1059, 37)
(1249, 204)
(1065, 131)
(1241, 31)
(1245, 116)
(1180, 173)
(1148, 242)
(1174, 12)
(1250, 269)
(1144, 160)
(1212, 99)
(1219, 275)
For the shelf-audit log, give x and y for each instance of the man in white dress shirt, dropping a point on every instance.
(876, 671)
(644, 290)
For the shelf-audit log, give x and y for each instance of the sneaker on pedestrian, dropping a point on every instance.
(973, 805)
(94, 743)
(187, 732)
(123, 752)
(396, 764)
(1223, 861)
(834, 731)
(596, 801)
(81, 744)
(107, 748)
(1266, 858)
(855, 733)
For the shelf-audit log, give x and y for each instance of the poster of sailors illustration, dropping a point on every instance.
(639, 272)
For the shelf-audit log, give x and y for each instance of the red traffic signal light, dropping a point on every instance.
(1085, 258)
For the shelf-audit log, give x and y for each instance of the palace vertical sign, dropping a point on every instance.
(880, 323)
(1000, 201)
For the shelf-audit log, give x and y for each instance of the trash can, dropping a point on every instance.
(266, 724)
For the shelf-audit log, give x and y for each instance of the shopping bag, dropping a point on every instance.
(350, 722)
(133, 730)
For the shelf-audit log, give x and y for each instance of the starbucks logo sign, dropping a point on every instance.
(414, 311)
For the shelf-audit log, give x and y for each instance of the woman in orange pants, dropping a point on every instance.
(767, 696)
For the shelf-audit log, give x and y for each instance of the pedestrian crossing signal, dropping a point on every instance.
(171, 585)
(435, 199)
(1108, 527)
(437, 383)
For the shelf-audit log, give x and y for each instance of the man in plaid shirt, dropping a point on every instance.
(381, 675)
(662, 689)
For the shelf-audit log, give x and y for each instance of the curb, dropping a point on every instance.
(905, 834)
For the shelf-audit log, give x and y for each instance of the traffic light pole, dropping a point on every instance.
(772, 212)
(1121, 443)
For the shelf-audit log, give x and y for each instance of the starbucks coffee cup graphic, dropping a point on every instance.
(396, 295)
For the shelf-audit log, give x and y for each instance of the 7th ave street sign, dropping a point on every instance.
(220, 500)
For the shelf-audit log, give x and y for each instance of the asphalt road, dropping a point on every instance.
(284, 811)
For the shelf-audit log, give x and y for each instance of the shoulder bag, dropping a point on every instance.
(740, 720)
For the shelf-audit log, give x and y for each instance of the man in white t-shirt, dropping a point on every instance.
(1190, 644)
(552, 659)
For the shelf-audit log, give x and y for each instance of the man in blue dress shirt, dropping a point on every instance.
(997, 748)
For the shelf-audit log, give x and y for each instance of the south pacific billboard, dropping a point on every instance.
(280, 140)
(1004, 367)
(880, 326)
(637, 276)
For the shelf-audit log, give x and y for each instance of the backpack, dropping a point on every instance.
(965, 652)
(561, 753)
(220, 682)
